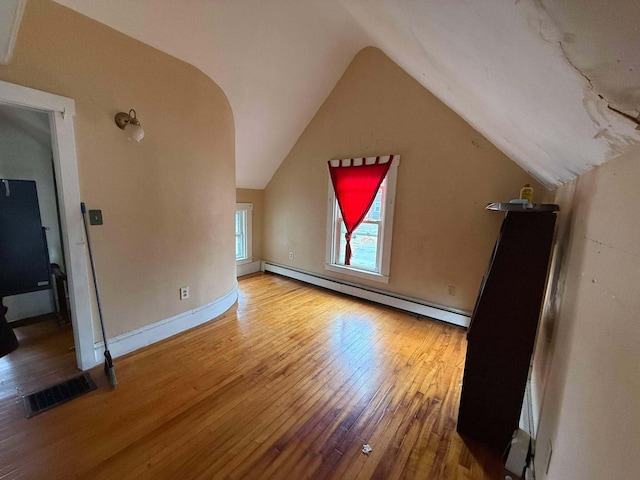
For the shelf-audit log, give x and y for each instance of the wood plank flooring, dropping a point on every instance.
(288, 384)
(45, 356)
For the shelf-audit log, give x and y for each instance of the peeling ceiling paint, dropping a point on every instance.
(533, 76)
(604, 40)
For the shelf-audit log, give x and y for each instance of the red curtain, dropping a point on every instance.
(356, 188)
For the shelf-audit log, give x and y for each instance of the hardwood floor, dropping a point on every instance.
(288, 384)
(45, 356)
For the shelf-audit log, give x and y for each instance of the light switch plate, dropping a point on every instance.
(95, 217)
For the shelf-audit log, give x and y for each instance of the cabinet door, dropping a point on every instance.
(24, 257)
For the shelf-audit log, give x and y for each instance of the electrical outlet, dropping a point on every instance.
(451, 290)
(184, 293)
(290, 255)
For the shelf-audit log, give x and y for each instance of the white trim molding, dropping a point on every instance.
(131, 341)
(20, 96)
(354, 272)
(526, 415)
(419, 307)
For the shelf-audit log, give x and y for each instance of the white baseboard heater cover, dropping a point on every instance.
(418, 307)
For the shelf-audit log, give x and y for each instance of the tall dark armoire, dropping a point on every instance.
(503, 326)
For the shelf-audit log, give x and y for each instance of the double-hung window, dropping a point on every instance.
(371, 241)
(243, 233)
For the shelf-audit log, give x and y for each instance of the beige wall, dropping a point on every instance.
(591, 406)
(448, 172)
(167, 202)
(256, 197)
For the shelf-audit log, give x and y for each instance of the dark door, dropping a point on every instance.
(24, 257)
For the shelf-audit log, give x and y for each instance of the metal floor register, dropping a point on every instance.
(55, 395)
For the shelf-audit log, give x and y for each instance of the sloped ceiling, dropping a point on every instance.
(30, 122)
(534, 77)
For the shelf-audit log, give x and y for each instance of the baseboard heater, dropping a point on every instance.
(437, 312)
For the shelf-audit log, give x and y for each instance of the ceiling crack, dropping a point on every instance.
(575, 67)
(564, 52)
(540, 25)
(542, 9)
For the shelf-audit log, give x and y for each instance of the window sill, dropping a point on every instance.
(376, 277)
(244, 261)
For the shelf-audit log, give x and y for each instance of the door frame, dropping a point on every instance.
(61, 111)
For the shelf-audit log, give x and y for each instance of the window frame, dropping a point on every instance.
(247, 208)
(334, 227)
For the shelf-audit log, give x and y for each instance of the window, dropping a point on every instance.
(243, 233)
(371, 241)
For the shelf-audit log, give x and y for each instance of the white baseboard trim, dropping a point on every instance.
(248, 268)
(412, 305)
(144, 336)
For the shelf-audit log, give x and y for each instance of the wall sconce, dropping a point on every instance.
(130, 124)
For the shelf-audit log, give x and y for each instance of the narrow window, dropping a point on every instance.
(243, 233)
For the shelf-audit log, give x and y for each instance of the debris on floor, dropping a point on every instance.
(366, 448)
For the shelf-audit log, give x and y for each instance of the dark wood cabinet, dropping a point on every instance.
(503, 326)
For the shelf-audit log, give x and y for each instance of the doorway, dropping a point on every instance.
(31, 245)
(60, 112)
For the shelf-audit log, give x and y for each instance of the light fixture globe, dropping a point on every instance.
(130, 124)
(134, 131)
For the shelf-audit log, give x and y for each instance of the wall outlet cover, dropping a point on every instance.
(184, 293)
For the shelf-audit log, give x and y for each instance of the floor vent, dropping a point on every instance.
(53, 396)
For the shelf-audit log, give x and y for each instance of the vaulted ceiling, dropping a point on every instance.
(533, 76)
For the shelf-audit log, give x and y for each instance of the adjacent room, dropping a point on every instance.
(350, 239)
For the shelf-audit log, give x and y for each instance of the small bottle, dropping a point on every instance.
(526, 193)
